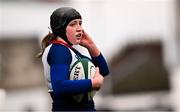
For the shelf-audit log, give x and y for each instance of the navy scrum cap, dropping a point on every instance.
(60, 18)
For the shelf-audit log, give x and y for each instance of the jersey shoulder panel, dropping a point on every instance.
(59, 54)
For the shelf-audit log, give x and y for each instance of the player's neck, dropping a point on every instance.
(60, 39)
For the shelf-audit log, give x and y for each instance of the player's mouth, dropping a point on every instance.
(78, 36)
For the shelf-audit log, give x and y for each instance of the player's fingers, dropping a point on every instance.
(96, 72)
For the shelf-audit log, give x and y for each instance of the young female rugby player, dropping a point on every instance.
(58, 55)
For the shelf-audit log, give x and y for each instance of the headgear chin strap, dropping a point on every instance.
(59, 20)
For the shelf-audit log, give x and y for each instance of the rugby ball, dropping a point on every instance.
(82, 69)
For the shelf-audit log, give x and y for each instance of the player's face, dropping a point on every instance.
(74, 31)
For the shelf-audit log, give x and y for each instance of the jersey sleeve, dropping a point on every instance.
(100, 62)
(59, 59)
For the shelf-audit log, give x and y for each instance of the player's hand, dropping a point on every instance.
(97, 80)
(88, 43)
(86, 40)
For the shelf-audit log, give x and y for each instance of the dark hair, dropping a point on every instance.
(59, 20)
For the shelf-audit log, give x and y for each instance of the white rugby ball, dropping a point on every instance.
(82, 69)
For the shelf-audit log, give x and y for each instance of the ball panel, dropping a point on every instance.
(91, 69)
(82, 69)
(77, 72)
(85, 67)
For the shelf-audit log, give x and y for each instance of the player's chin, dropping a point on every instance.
(77, 42)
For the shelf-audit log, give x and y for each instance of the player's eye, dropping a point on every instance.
(80, 23)
(72, 24)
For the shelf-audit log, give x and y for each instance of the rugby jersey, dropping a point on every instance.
(57, 60)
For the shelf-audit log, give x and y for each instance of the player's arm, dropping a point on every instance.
(100, 62)
(96, 55)
(88, 43)
(59, 59)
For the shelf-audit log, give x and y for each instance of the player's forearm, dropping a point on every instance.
(71, 86)
(93, 50)
(100, 62)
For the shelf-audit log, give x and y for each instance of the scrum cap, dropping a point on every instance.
(60, 18)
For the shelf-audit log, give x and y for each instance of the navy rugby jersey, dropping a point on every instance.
(57, 60)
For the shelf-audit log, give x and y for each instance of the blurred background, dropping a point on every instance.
(139, 38)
